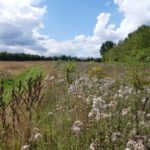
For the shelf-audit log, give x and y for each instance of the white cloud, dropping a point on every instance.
(81, 45)
(136, 13)
(19, 24)
(20, 21)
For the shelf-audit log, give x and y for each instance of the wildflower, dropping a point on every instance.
(36, 129)
(73, 109)
(37, 137)
(127, 90)
(115, 136)
(25, 147)
(100, 104)
(80, 96)
(144, 124)
(133, 132)
(50, 113)
(51, 78)
(112, 104)
(135, 145)
(77, 127)
(88, 100)
(143, 100)
(94, 112)
(148, 115)
(131, 144)
(47, 77)
(125, 111)
(141, 113)
(148, 91)
(94, 145)
(59, 108)
(102, 116)
(61, 80)
(60, 75)
(127, 148)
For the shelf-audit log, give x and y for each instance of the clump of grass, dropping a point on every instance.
(25, 101)
(69, 70)
(96, 71)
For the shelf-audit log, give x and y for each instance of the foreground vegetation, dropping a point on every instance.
(79, 106)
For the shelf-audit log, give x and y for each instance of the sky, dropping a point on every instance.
(67, 18)
(68, 27)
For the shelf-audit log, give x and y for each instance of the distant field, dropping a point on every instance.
(13, 72)
(14, 68)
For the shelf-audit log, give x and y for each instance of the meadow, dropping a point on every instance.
(74, 106)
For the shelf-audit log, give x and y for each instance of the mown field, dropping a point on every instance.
(12, 72)
(74, 106)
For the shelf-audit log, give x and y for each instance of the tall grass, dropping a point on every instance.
(92, 106)
(16, 114)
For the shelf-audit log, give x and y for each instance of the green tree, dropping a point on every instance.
(106, 46)
(134, 48)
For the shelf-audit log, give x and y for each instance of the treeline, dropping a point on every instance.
(135, 48)
(5, 56)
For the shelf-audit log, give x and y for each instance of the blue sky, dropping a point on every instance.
(68, 27)
(67, 18)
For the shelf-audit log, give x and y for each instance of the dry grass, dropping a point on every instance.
(14, 68)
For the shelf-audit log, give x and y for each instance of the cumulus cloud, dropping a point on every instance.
(136, 13)
(81, 45)
(20, 22)
(84, 46)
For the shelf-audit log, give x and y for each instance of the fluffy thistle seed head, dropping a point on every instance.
(25, 147)
(77, 127)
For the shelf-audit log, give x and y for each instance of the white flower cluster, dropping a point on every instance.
(36, 135)
(93, 87)
(104, 97)
(115, 136)
(135, 145)
(125, 111)
(25, 147)
(77, 127)
(98, 109)
(123, 92)
(90, 85)
(49, 78)
(94, 145)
